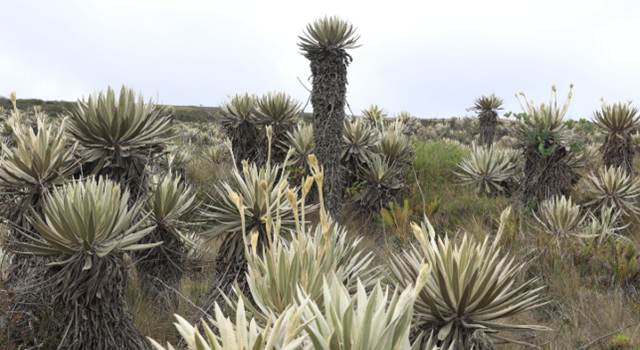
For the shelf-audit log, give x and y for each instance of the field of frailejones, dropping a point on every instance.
(261, 227)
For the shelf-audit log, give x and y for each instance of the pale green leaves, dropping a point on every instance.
(472, 286)
(302, 143)
(378, 320)
(359, 139)
(544, 122)
(39, 158)
(170, 201)
(109, 128)
(617, 118)
(328, 33)
(559, 216)
(90, 217)
(613, 187)
(282, 333)
(278, 110)
(240, 108)
(262, 190)
(487, 169)
(304, 262)
(487, 103)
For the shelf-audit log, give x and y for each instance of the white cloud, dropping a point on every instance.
(428, 57)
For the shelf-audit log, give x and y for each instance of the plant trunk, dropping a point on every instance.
(94, 307)
(617, 150)
(488, 124)
(29, 315)
(230, 269)
(328, 98)
(247, 143)
(160, 269)
(546, 176)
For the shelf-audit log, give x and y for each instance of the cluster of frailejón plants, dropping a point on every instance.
(75, 204)
(245, 118)
(318, 290)
(104, 190)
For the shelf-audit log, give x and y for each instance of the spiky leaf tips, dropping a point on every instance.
(618, 121)
(325, 43)
(613, 187)
(328, 34)
(237, 117)
(472, 288)
(302, 144)
(284, 332)
(542, 136)
(488, 169)
(86, 226)
(171, 200)
(559, 216)
(359, 140)
(39, 160)
(119, 135)
(383, 182)
(394, 146)
(303, 263)
(281, 112)
(487, 107)
(262, 191)
(376, 320)
(375, 116)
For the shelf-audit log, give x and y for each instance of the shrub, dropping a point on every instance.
(613, 187)
(472, 286)
(559, 216)
(488, 170)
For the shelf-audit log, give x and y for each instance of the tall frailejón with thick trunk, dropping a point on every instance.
(325, 43)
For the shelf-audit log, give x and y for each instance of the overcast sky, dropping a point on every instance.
(431, 58)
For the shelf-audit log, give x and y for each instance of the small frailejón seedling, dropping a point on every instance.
(471, 288)
(85, 227)
(604, 226)
(489, 169)
(394, 146)
(325, 43)
(617, 121)
(559, 216)
(377, 320)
